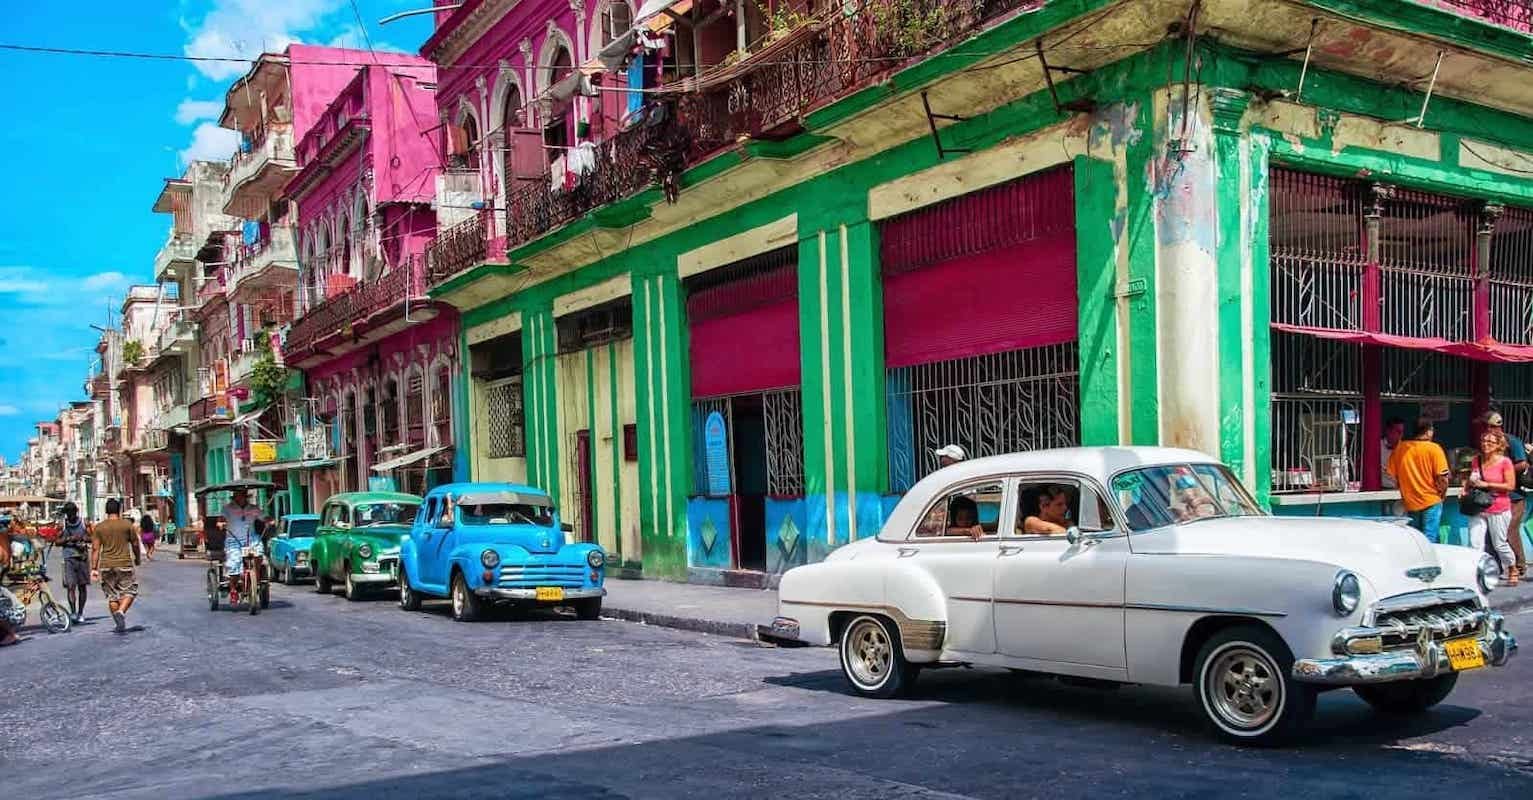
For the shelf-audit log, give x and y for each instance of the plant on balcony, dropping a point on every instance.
(915, 26)
(267, 377)
(783, 19)
(132, 352)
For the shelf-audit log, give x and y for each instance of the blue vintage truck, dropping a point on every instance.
(487, 543)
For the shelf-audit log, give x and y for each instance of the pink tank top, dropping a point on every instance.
(1498, 472)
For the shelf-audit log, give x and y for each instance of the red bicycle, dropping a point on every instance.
(253, 584)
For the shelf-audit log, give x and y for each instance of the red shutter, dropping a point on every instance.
(743, 335)
(987, 272)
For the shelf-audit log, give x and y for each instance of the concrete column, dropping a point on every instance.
(846, 465)
(662, 392)
(1233, 179)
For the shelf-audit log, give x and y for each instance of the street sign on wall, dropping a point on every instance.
(716, 451)
(263, 451)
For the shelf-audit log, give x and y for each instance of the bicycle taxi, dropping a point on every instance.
(252, 584)
(26, 580)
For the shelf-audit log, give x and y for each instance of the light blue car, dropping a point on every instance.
(482, 543)
(290, 547)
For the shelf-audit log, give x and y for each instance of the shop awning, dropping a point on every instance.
(407, 459)
(1487, 350)
(312, 463)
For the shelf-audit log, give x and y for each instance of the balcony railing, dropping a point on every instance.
(251, 262)
(209, 409)
(176, 335)
(463, 245)
(179, 250)
(762, 96)
(1514, 14)
(354, 305)
(257, 173)
(212, 287)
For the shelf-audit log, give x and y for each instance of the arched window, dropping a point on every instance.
(468, 148)
(514, 111)
(391, 412)
(615, 19)
(415, 406)
(348, 423)
(560, 64)
(343, 252)
(370, 426)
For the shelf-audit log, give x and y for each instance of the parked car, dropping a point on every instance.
(290, 547)
(479, 543)
(1165, 571)
(357, 543)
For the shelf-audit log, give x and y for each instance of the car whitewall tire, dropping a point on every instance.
(1245, 690)
(873, 661)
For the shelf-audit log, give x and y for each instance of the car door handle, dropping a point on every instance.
(906, 552)
(1010, 550)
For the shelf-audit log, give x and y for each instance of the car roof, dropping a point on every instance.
(1098, 461)
(466, 487)
(373, 497)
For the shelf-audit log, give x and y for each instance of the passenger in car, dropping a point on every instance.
(1189, 501)
(1051, 514)
(963, 519)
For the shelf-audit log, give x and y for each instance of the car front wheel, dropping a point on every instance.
(352, 590)
(1245, 688)
(873, 661)
(1407, 697)
(322, 582)
(465, 604)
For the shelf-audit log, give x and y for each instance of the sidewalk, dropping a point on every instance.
(736, 612)
(693, 607)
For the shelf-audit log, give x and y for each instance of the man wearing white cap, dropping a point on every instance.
(949, 455)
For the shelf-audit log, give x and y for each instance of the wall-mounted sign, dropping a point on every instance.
(716, 451)
(263, 451)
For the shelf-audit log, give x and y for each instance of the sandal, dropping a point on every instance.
(1511, 577)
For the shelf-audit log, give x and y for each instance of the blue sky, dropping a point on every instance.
(88, 142)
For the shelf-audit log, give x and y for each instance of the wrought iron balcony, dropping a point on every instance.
(266, 263)
(176, 338)
(209, 411)
(763, 96)
(1514, 14)
(179, 252)
(356, 308)
(259, 173)
(461, 246)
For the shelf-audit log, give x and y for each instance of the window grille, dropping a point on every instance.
(609, 322)
(999, 403)
(505, 420)
(783, 430)
(1316, 248)
(1511, 277)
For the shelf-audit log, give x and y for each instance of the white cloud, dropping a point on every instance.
(193, 110)
(102, 281)
(210, 143)
(246, 28)
(14, 281)
(9, 411)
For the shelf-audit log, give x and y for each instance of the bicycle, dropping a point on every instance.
(252, 583)
(34, 587)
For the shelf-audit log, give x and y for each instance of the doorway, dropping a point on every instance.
(749, 464)
(585, 528)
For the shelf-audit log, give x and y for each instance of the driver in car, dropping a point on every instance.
(1189, 501)
(240, 515)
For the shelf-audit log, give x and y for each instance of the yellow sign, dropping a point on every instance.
(263, 452)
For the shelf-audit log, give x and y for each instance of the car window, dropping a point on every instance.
(386, 514)
(1050, 507)
(1154, 497)
(972, 511)
(300, 527)
(506, 514)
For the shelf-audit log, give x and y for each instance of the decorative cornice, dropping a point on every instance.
(473, 27)
(1228, 107)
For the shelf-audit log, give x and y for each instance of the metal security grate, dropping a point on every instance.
(782, 417)
(1317, 238)
(504, 417)
(1000, 403)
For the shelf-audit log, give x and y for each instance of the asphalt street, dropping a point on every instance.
(320, 697)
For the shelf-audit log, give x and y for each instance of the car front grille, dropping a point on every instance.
(516, 576)
(1444, 621)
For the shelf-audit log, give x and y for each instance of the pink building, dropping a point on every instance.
(380, 357)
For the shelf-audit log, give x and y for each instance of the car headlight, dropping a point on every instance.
(490, 559)
(365, 550)
(1488, 573)
(596, 558)
(1346, 593)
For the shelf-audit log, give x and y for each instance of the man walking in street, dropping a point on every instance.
(74, 540)
(114, 554)
(1517, 451)
(1420, 468)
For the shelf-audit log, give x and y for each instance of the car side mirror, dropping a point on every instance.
(1073, 535)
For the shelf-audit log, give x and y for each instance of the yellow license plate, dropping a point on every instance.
(1464, 654)
(557, 593)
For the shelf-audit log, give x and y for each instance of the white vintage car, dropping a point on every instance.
(1164, 571)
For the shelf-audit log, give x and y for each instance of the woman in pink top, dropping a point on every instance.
(1493, 471)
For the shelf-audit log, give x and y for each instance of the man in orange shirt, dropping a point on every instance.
(1420, 469)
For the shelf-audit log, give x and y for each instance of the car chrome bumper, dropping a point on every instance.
(1427, 660)
(532, 594)
(373, 577)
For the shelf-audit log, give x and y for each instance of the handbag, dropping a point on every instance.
(1474, 501)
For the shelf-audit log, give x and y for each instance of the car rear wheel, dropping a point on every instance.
(1245, 687)
(1407, 697)
(466, 606)
(873, 661)
(588, 609)
(408, 599)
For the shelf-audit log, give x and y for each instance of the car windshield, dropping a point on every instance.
(1154, 497)
(302, 527)
(506, 514)
(385, 514)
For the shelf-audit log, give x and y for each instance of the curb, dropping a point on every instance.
(736, 630)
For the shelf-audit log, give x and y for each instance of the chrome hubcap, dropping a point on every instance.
(869, 654)
(457, 599)
(1244, 687)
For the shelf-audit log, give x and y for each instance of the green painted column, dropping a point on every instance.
(295, 503)
(540, 399)
(1136, 240)
(846, 464)
(663, 396)
(1232, 249)
(1257, 250)
(462, 430)
(1096, 214)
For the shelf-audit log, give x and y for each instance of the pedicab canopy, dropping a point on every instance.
(248, 484)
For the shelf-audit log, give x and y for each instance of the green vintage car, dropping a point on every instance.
(357, 543)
